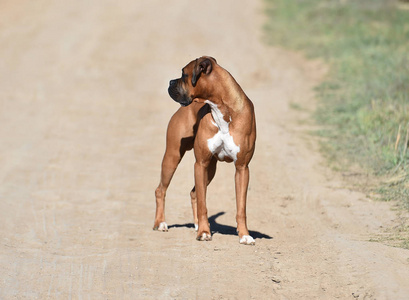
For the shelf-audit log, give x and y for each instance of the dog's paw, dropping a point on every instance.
(162, 227)
(247, 240)
(204, 237)
(196, 227)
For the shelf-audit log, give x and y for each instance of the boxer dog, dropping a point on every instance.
(217, 120)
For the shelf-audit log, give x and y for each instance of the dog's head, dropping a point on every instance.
(195, 81)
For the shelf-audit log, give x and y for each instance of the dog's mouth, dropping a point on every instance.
(184, 104)
(176, 95)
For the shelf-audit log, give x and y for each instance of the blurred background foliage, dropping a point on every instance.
(364, 100)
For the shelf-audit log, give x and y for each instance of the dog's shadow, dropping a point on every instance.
(223, 229)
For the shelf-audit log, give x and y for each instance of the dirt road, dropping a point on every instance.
(83, 114)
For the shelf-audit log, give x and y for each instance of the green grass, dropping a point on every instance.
(364, 101)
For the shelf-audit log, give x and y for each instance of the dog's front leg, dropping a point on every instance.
(201, 174)
(211, 171)
(242, 182)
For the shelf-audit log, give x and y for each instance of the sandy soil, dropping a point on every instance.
(83, 114)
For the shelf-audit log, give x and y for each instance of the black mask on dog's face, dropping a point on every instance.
(178, 93)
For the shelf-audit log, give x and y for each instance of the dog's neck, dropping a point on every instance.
(232, 100)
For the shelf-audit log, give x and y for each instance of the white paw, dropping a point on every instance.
(163, 226)
(196, 227)
(204, 237)
(247, 240)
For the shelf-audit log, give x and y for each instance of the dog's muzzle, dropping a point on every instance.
(175, 93)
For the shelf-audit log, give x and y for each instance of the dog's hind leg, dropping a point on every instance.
(179, 139)
(211, 171)
(170, 162)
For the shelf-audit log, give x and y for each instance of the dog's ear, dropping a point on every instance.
(203, 65)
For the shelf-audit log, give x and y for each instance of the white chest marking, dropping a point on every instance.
(222, 142)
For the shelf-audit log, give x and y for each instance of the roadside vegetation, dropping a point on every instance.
(364, 101)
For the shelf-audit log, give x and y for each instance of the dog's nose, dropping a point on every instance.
(172, 82)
